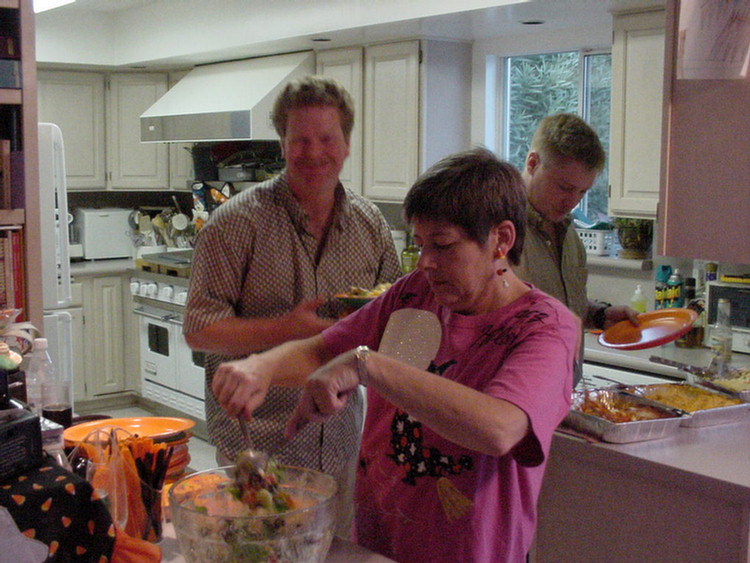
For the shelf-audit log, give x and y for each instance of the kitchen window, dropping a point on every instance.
(535, 86)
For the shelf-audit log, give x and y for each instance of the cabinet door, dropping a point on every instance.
(104, 336)
(75, 102)
(391, 123)
(132, 164)
(181, 171)
(345, 66)
(80, 391)
(635, 126)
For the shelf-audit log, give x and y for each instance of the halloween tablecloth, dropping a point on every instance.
(59, 509)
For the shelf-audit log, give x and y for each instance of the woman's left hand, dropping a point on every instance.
(326, 392)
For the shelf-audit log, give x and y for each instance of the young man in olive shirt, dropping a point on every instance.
(564, 159)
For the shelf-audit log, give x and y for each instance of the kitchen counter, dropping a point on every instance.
(638, 360)
(341, 551)
(682, 498)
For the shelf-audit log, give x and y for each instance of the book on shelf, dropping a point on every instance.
(12, 278)
(5, 174)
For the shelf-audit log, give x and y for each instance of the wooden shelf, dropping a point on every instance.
(10, 4)
(12, 216)
(10, 95)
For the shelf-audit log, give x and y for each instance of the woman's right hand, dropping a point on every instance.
(240, 386)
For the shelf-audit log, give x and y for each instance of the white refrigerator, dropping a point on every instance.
(56, 287)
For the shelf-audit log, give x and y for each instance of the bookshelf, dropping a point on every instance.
(19, 176)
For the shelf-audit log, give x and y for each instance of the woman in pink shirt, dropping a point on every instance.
(463, 397)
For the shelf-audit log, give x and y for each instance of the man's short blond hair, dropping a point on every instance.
(567, 135)
(313, 91)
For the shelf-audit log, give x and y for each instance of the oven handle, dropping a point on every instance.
(147, 314)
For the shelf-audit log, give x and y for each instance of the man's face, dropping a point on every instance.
(556, 186)
(314, 148)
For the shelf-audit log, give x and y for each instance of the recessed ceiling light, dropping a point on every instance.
(532, 22)
(44, 5)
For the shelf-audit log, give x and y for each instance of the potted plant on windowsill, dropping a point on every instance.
(635, 236)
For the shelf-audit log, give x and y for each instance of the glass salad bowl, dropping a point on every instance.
(213, 525)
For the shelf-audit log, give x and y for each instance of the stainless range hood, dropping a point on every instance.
(224, 101)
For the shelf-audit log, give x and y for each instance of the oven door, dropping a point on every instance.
(190, 364)
(157, 337)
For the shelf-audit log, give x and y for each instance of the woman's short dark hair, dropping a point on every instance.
(313, 91)
(473, 190)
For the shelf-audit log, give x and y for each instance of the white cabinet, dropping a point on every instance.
(415, 100)
(75, 102)
(101, 346)
(99, 117)
(132, 164)
(636, 114)
(391, 120)
(346, 66)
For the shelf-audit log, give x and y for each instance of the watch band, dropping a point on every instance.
(362, 353)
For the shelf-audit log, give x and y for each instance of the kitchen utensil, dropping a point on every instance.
(256, 458)
(655, 328)
(134, 219)
(176, 204)
(695, 370)
(412, 336)
(180, 222)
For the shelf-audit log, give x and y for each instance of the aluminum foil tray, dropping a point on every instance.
(704, 417)
(621, 432)
(743, 395)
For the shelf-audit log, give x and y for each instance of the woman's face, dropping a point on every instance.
(459, 270)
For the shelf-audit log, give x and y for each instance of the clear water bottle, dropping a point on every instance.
(721, 332)
(57, 391)
(35, 374)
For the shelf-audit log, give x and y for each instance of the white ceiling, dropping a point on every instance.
(161, 33)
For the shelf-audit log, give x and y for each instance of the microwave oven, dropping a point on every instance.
(104, 233)
(739, 300)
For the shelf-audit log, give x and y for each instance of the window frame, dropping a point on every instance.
(498, 115)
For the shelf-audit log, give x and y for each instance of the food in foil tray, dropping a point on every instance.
(735, 379)
(689, 398)
(617, 417)
(619, 408)
(706, 406)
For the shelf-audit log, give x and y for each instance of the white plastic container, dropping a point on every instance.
(596, 242)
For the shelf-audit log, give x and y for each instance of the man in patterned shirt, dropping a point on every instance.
(266, 264)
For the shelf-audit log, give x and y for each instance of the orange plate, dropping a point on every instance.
(147, 426)
(656, 328)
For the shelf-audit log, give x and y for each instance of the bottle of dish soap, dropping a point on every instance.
(638, 300)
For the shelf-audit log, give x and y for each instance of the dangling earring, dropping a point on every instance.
(500, 255)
